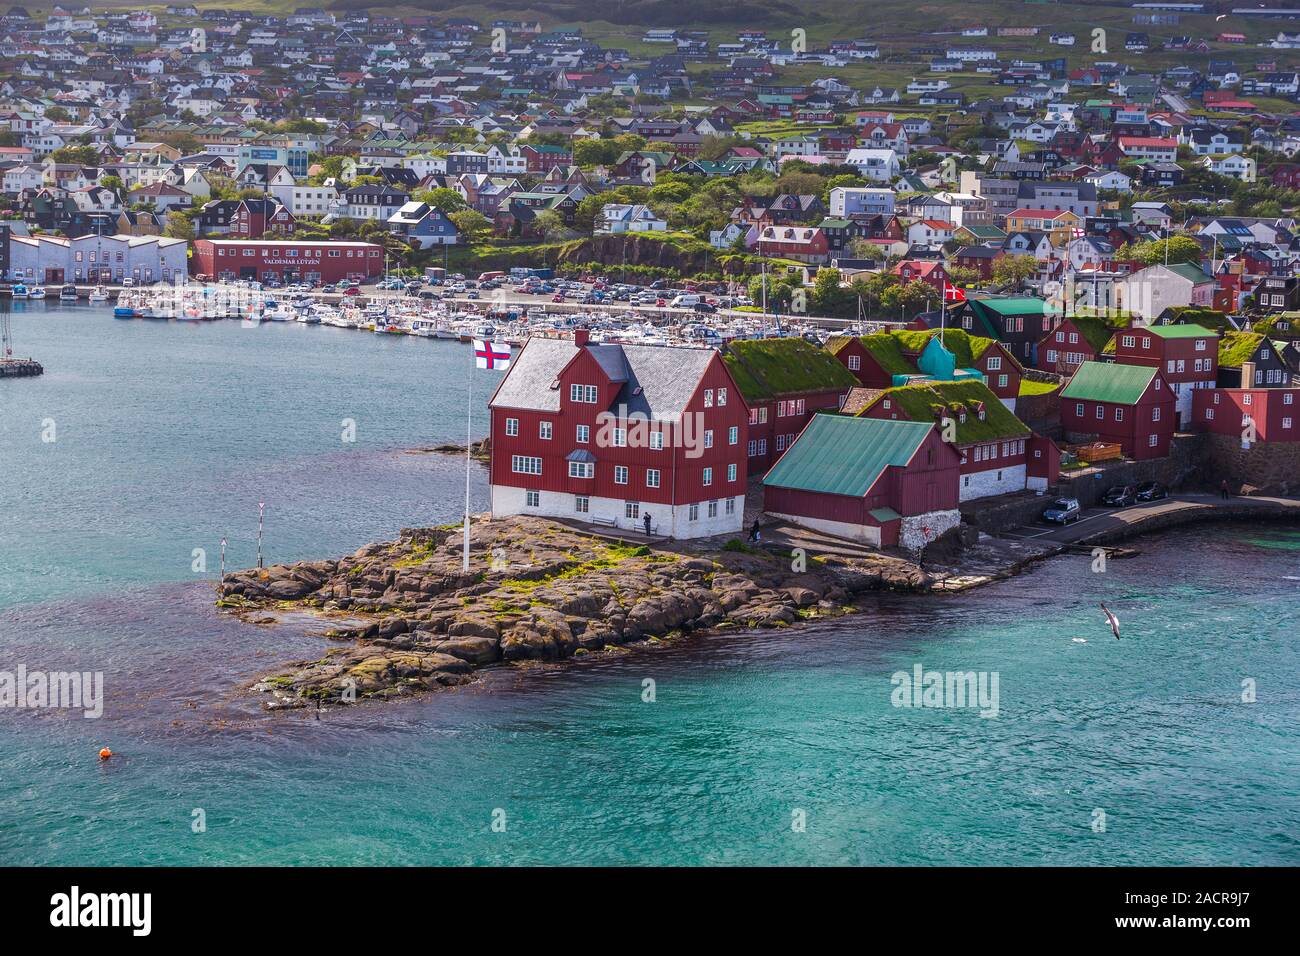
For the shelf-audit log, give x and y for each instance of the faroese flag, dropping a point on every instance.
(491, 355)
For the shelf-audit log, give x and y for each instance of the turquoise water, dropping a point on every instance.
(167, 437)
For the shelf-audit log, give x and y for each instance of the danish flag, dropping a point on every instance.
(490, 355)
(953, 294)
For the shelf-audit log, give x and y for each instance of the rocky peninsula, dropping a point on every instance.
(406, 619)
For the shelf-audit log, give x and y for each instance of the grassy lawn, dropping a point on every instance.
(1028, 387)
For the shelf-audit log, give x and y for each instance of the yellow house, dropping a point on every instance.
(1059, 224)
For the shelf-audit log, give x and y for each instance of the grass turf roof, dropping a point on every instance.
(765, 368)
(966, 348)
(921, 403)
(1096, 331)
(1238, 347)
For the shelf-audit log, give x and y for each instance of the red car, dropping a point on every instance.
(558, 297)
(351, 290)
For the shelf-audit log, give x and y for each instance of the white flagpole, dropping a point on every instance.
(469, 433)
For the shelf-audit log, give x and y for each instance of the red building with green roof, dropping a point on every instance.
(887, 359)
(1186, 355)
(1018, 322)
(884, 483)
(784, 382)
(999, 454)
(1075, 340)
(1128, 405)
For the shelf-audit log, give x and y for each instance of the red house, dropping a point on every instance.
(801, 243)
(1270, 414)
(1286, 175)
(255, 218)
(1186, 355)
(611, 434)
(881, 359)
(541, 159)
(993, 445)
(1129, 405)
(1075, 340)
(885, 483)
(932, 274)
(784, 383)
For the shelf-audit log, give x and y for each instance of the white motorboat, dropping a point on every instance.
(99, 294)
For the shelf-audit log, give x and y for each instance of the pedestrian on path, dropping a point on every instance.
(646, 518)
(1223, 490)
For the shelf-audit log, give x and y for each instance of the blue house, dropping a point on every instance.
(422, 225)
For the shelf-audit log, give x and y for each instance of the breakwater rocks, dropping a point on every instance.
(408, 619)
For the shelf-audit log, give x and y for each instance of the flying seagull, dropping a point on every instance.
(1114, 621)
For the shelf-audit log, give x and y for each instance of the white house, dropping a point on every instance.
(619, 218)
(877, 165)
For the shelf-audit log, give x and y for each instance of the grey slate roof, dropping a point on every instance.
(658, 380)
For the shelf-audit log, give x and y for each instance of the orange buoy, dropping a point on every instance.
(105, 753)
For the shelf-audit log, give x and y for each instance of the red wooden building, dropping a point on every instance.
(1270, 414)
(784, 383)
(287, 260)
(612, 433)
(1129, 405)
(881, 359)
(1186, 355)
(932, 274)
(1075, 340)
(884, 483)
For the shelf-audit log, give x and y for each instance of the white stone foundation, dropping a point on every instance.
(612, 512)
(995, 481)
(917, 531)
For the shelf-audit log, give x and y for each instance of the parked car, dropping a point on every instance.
(705, 307)
(1121, 496)
(1151, 491)
(352, 290)
(1063, 511)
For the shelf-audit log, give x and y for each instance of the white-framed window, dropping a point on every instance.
(1153, 440)
(780, 443)
(532, 499)
(731, 472)
(652, 477)
(1002, 381)
(1129, 341)
(708, 398)
(1119, 414)
(762, 446)
(995, 362)
(1288, 398)
(582, 469)
(1101, 412)
(1209, 414)
(1146, 341)
(855, 363)
(1051, 355)
(707, 477)
(631, 509)
(733, 435)
(656, 440)
(581, 504)
(713, 509)
(583, 434)
(753, 448)
(731, 506)
(708, 438)
(1155, 414)
(525, 465)
(544, 431)
(620, 474)
(1286, 423)
(620, 438)
(722, 397)
(512, 427)
(693, 513)
(587, 394)
(1247, 399)
(1200, 345)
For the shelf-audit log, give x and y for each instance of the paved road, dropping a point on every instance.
(1101, 520)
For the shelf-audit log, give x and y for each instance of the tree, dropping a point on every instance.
(866, 249)
(908, 299)
(112, 182)
(79, 155)
(829, 298)
(178, 226)
(442, 199)
(1175, 249)
(1014, 269)
(57, 114)
(471, 225)
(550, 225)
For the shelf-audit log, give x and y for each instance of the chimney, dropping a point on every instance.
(1247, 374)
(581, 337)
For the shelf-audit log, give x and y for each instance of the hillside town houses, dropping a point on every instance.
(1034, 252)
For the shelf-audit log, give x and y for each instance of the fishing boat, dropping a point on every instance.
(36, 292)
(99, 294)
(19, 291)
(68, 293)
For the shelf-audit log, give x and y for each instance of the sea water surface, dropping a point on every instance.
(780, 747)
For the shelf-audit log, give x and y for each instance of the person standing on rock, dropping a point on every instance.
(756, 532)
(646, 519)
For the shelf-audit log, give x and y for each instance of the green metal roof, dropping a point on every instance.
(1109, 382)
(1019, 305)
(1181, 331)
(885, 514)
(838, 455)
